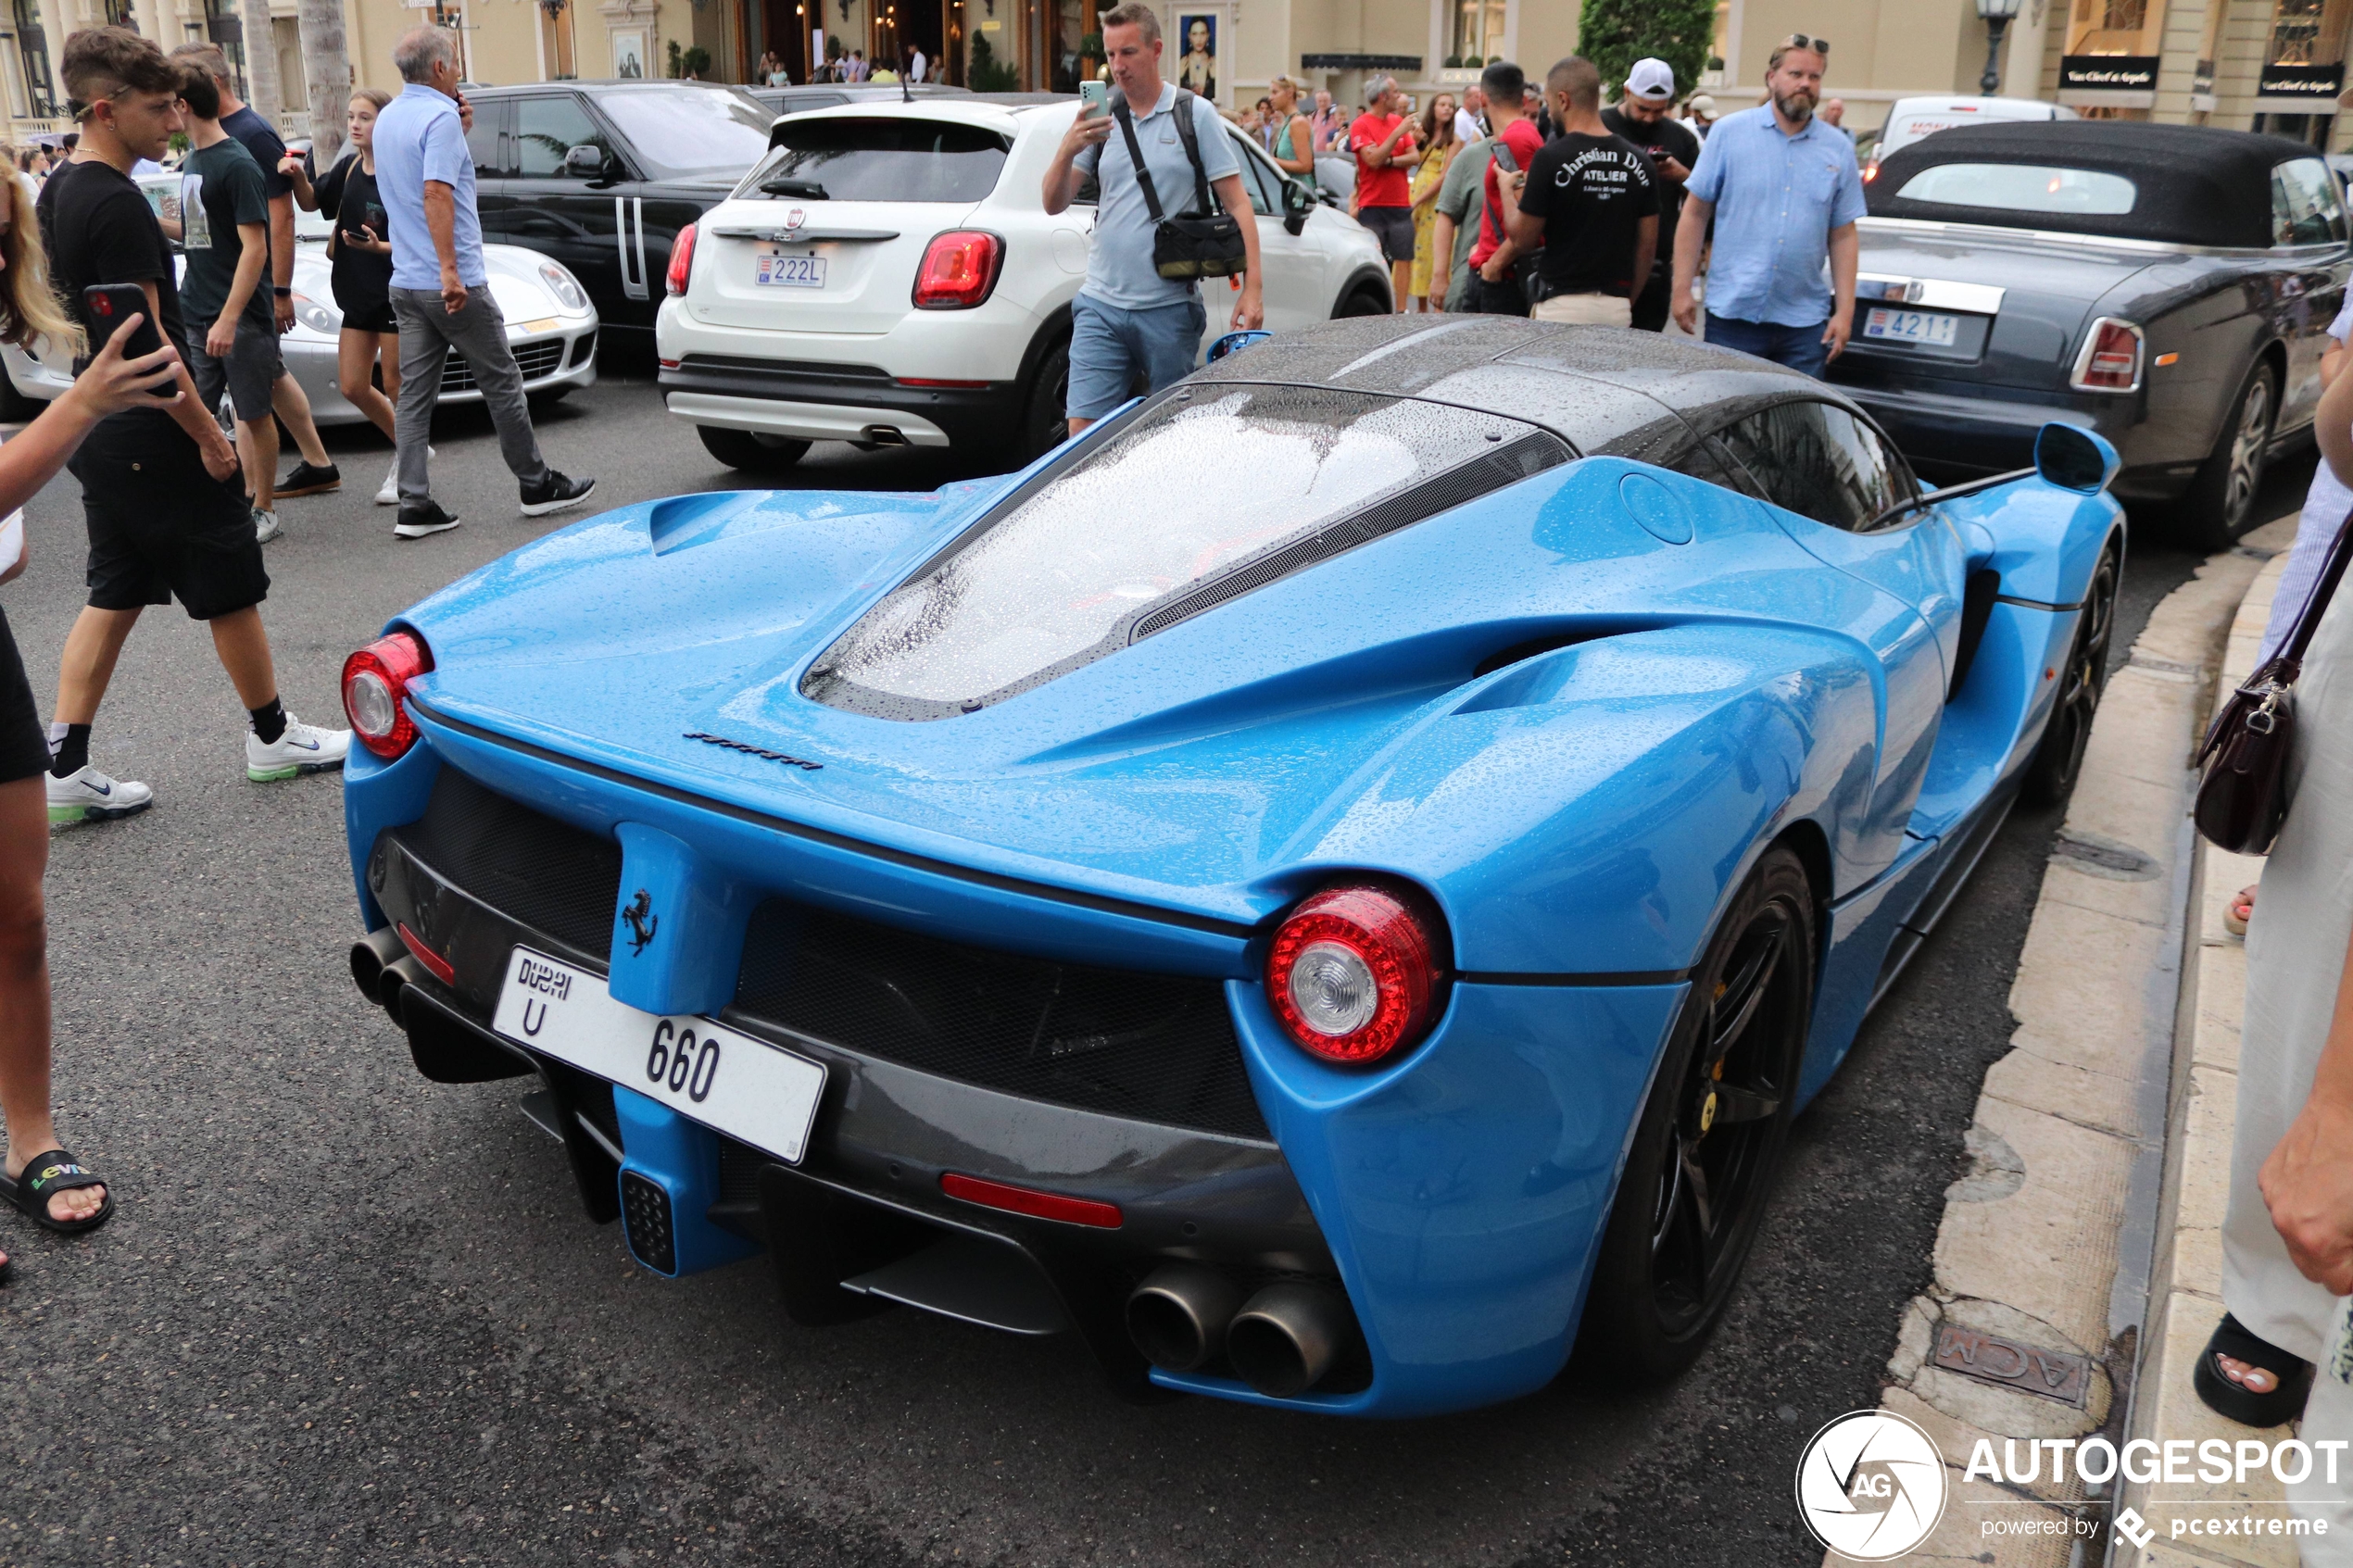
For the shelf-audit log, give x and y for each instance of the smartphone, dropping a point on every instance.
(110, 305)
(1094, 98)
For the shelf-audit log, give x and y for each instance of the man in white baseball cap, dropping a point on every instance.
(1641, 118)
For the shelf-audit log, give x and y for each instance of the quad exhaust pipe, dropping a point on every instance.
(370, 956)
(1282, 1341)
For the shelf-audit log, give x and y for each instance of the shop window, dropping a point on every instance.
(33, 48)
(1479, 32)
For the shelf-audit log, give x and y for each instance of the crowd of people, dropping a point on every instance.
(172, 508)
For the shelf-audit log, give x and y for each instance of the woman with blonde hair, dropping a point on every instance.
(1292, 137)
(1438, 135)
(40, 1177)
(361, 254)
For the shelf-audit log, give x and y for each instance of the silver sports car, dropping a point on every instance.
(550, 323)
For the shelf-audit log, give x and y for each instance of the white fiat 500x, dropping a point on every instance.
(888, 275)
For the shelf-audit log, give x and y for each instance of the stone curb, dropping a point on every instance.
(2185, 1286)
(2045, 1240)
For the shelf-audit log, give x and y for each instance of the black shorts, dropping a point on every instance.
(24, 744)
(160, 526)
(368, 315)
(1394, 225)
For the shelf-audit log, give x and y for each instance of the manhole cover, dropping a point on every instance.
(1989, 1358)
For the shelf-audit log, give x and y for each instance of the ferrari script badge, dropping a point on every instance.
(640, 913)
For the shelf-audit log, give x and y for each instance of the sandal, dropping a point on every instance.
(2239, 1403)
(2234, 921)
(45, 1175)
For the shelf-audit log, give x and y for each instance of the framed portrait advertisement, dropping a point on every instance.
(1201, 37)
(629, 56)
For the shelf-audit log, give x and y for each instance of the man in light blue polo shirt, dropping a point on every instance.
(440, 288)
(1127, 319)
(1784, 193)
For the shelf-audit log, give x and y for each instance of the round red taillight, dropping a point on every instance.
(1353, 973)
(375, 687)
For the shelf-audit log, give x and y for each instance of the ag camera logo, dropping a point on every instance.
(1871, 1485)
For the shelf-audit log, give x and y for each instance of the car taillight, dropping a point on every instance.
(2111, 358)
(1352, 974)
(375, 689)
(959, 269)
(682, 261)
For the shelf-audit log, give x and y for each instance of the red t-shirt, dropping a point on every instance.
(1524, 141)
(1386, 186)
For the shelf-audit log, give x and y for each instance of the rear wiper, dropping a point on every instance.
(786, 187)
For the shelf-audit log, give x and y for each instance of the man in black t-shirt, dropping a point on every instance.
(1641, 118)
(161, 491)
(1590, 200)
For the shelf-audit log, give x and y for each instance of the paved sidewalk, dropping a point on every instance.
(2044, 1255)
(2186, 1291)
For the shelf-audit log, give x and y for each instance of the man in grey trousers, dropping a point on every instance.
(440, 289)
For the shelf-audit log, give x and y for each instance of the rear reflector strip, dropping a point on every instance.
(441, 968)
(1025, 1200)
(961, 385)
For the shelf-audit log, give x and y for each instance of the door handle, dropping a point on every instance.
(633, 248)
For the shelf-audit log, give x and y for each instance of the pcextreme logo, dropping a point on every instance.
(1870, 1486)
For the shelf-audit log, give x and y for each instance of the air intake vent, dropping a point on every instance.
(1508, 464)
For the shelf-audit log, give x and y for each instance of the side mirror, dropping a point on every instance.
(1294, 223)
(2075, 458)
(584, 162)
(1234, 342)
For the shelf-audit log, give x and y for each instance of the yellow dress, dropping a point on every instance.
(1428, 176)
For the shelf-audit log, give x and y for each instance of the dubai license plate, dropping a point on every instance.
(789, 271)
(1911, 326)
(731, 1083)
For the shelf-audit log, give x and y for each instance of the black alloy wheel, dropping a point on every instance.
(1046, 424)
(2058, 759)
(1693, 1192)
(2220, 504)
(752, 452)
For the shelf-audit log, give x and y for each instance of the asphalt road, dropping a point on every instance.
(347, 1315)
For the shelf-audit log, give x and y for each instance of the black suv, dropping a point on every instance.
(602, 175)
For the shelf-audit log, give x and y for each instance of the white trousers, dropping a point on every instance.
(2296, 948)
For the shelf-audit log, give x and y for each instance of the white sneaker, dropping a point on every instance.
(90, 795)
(304, 748)
(265, 526)
(390, 495)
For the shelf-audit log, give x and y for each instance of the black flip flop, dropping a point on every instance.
(2239, 1403)
(45, 1175)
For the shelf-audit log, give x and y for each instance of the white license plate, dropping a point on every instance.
(789, 271)
(745, 1088)
(1911, 326)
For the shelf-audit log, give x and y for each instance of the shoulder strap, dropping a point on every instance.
(2308, 620)
(1187, 135)
(1136, 156)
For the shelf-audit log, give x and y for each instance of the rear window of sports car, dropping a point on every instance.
(2023, 188)
(1207, 496)
(879, 160)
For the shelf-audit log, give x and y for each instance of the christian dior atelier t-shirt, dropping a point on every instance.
(1592, 192)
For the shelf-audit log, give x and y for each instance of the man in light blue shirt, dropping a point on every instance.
(440, 288)
(1784, 193)
(1127, 319)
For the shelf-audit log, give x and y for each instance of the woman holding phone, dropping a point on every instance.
(39, 1175)
(346, 197)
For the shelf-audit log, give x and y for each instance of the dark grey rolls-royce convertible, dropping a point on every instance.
(2169, 286)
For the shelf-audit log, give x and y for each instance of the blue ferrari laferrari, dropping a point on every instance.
(1330, 886)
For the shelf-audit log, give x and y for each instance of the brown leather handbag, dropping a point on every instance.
(2242, 795)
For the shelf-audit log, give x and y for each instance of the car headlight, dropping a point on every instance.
(319, 316)
(563, 285)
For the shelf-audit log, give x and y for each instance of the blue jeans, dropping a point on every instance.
(1801, 348)
(1110, 347)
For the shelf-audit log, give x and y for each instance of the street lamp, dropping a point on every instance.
(1997, 15)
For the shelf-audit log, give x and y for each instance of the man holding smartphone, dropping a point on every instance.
(166, 513)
